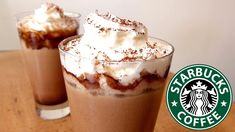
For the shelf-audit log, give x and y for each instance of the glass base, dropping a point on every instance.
(50, 112)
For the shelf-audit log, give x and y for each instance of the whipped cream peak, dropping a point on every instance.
(48, 11)
(114, 32)
(106, 21)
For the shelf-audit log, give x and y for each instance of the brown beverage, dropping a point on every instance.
(40, 33)
(114, 75)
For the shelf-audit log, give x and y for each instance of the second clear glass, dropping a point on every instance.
(42, 63)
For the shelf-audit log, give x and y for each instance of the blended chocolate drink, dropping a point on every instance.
(114, 75)
(40, 33)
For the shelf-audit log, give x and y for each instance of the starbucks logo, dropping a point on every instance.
(199, 97)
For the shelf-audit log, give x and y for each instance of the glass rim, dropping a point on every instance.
(23, 14)
(115, 61)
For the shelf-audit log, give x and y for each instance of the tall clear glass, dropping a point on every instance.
(42, 63)
(94, 108)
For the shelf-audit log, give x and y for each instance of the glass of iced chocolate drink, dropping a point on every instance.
(40, 32)
(114, 75)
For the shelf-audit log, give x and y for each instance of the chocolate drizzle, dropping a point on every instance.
(115, 84)
(91, 81)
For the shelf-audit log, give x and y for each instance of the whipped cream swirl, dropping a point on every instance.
(48, 12)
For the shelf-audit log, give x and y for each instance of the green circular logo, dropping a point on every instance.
(199, 97)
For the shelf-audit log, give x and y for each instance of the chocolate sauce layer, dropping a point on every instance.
(38, 40)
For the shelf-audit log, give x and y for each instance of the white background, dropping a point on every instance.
(202, 31)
